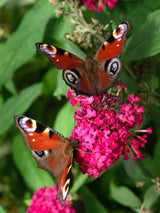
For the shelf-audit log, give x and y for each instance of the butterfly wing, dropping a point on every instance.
(114, 44)
(59, 57)
(50, 149)
(94, 76)
(73, 67)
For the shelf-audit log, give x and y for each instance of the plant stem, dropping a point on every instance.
(146, 199)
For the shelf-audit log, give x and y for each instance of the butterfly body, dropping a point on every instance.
(95, 80)
(51, 150)
(93, 76)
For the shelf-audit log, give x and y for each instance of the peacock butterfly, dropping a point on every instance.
(51, 150)
(93, 76)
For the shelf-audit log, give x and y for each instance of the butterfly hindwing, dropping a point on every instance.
(52, 151)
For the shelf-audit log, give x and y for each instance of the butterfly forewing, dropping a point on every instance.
(52, 151)
(59, 57)
(114, 44)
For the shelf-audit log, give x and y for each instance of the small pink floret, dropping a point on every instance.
(44, 201)
(105, 128)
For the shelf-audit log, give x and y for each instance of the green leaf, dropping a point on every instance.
(3, 2)
(1, 100)
(73, 48)
(148, 163)
(61, 26)
(155, 113)
(64, 121)
(10, 86)
(124, 196)
(61, 88)
(16, 105)
(145, 41)
(150, 198)
(27, 202)
(156, 160)
(136, 170)
(2, 210)
(130, 83)
(78, 183)
(20, 46)
(50, 81)
(91, 203)
(33, 177)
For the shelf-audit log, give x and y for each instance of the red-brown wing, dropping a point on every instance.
(63, 179)
(38, 136)
(60, 164)
(114, 44)
(50, 149)
(59, 57)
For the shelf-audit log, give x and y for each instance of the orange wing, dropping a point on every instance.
(59, 57)
(50, 149)
(114, 44)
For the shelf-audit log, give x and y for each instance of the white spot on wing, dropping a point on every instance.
(123, 28)
(25, 127)
(52, 52)
(30, 134)
(46, 153)
(65, 190)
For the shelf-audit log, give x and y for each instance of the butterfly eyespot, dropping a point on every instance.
(28, 125)
(43, 154)
(40, 154)
(113, 66)
(71, 77)
(120, 30)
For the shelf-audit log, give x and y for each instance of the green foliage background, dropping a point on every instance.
(30, 85)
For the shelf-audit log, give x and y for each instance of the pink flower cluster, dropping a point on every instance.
(44, 201)
(91, 4)
(105, 129)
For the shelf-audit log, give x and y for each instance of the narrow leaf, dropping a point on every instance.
(20, 46)
(124, 196)
(2, 210)
(61, 87)
(145, 41)
(151, 197)
(64, 122)
(136, 170)
(16, 105)
(3, 2)
(73, 48)
(78, 183)
(91, 203)
(33, 177)
(11, 87)
(156, 161)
